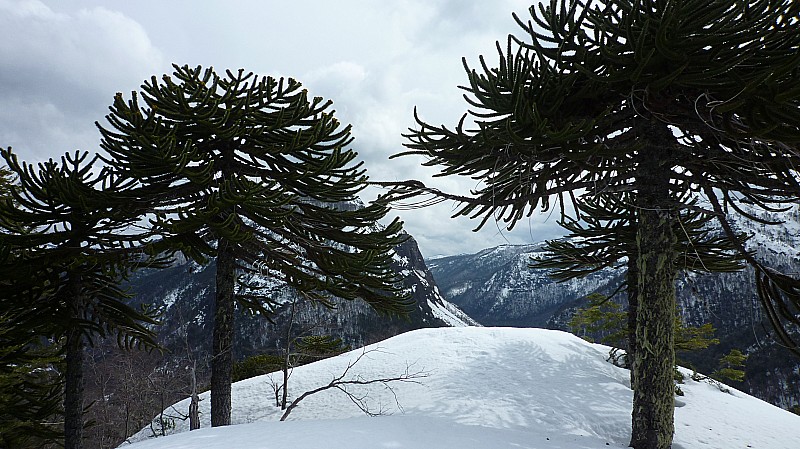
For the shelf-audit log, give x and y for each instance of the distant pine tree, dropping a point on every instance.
(601, 319)
(730, 366)
(256, 365)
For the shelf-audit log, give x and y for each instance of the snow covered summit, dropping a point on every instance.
(483, 388)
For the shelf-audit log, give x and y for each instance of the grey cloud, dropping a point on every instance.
(59, 73)
(60, 67)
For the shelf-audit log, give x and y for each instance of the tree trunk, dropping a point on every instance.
(194, 404)
(285, 393)
(222, 356)
(653, 384)
(73, 391)
(632, 279)
(287, 355)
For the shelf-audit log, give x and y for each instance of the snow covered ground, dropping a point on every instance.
(484, 388)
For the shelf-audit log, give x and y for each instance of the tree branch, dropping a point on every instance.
(341, 384)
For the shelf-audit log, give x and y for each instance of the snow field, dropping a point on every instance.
(484, 388)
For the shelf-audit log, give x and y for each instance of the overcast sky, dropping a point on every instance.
(61, 61)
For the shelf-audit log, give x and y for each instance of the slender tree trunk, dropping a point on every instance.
(653, 388)
(222, 356)
(73, 391)
(285, 393)
(287, 356)
(194, 404)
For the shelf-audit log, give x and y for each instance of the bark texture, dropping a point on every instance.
(632, 279)
(653, 383)
(222, 362)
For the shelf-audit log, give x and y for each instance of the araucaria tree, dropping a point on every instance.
(688, 104)
(251, 171)
(30, 395)
(60, 271)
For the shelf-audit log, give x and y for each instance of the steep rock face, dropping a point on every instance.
(430, 301)
(496, 287)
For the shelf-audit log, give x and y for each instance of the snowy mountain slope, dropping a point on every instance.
(496, 287)
(411, 265)
(485, 388)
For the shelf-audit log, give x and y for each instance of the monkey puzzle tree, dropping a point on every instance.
(61, 271)
(252, 172)
(669, 99)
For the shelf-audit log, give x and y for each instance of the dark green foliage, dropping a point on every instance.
(602, 319)
(316, 347)
(306, 350)
(690, 338)
(73, 251)
(30, 392)
(61, 270)
(253, 172)
(255, 162)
